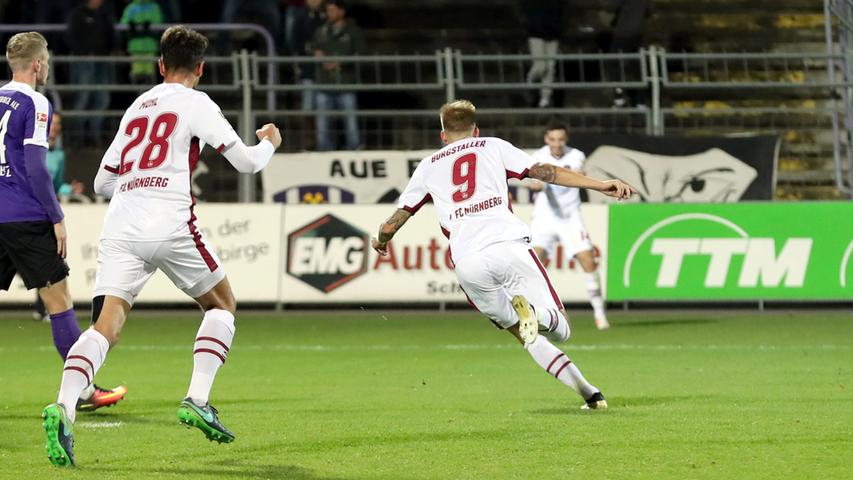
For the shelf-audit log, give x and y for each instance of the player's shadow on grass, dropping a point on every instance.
(667, 321)
(624, 404)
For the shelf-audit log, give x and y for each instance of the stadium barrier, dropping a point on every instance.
(320, 254)
(307, 254)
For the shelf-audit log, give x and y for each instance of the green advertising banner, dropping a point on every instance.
(731, 251)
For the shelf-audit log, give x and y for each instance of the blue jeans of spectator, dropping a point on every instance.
(346, 102)
(95, 100)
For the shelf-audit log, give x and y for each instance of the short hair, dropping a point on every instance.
(556, 125)
(23, 48)
(458, 116)
(182, 48)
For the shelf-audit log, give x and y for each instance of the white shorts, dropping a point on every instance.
(570, 232)
(124, 266)
(492, 276)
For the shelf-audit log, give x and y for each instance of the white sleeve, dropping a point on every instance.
(416, 194)
(517, 162)
(212, 128)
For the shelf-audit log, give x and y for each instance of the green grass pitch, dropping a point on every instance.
(390, 395)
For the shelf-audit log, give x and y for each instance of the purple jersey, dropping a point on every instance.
(25, 117)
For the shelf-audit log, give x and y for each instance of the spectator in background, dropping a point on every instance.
(50, 11)
(56, 161)
(263, 12)
(628, 38)
(544, 28)
(91, 32)
(141, 41)
(306, 21)
(338, 37)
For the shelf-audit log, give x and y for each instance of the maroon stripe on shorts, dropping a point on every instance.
(554, 295)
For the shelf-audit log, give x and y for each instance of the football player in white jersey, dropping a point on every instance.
(497, 269)
(557, 216)
(150, 225)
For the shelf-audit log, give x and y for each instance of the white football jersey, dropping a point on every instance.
(154, 153)
(466, 180)
(554, 200)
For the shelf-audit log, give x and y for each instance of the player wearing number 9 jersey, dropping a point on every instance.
(495, 265)
(150, 225)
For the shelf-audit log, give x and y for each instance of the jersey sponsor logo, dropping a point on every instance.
(327, 253)
(763, 262)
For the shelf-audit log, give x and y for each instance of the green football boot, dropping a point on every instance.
(60, 439)
(204, 418)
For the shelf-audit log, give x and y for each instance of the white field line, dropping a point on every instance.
(98, 424)
(464, 347)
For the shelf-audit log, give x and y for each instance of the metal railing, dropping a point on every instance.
(499, 82)
(838, 25)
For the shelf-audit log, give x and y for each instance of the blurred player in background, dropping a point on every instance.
(150, 224)
(497, 269)
(557, 216)
(32, 225)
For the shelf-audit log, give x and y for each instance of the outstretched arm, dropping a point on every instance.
(567, 178)
(388, 229)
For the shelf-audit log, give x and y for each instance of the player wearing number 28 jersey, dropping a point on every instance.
(150, 225)
(495, 265)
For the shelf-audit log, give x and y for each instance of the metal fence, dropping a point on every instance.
(793, 94)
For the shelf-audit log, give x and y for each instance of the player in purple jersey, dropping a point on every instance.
(32, 226)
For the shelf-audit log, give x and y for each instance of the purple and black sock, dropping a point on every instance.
(65, 331)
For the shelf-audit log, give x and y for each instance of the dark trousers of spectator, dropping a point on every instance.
(95, 100)
(627, 38)
(345, 101)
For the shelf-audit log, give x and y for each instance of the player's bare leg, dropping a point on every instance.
(66, 331)
(593, 287)
(552, 359)
(212, 343)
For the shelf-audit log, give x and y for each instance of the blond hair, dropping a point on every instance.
(459, 116)
(25, 47)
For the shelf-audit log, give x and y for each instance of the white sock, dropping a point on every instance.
(88, 392)
(82, 363)
(593, 287)
(209, 353)
(553, 324)
(556, 363)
